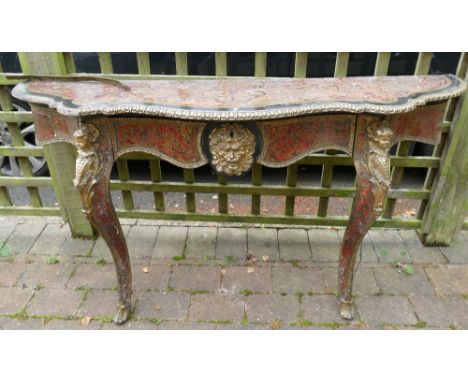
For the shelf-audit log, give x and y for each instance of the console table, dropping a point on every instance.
(230, 123)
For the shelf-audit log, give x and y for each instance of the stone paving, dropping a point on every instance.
(195, 276)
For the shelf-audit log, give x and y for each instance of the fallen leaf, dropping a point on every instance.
(265, 258)
(250, 269)
(176, 205)
(158, 307)
(250, 257)
(231, 205)
(223, 271)
(215, 196)
(85, 321)
(145, 269)
(265, 209)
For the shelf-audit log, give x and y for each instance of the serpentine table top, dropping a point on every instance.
(231, 123)
(239, 99)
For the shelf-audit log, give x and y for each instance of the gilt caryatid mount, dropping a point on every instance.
(232, 124)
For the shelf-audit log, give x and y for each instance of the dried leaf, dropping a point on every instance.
(145, 269)
(215, 197)
(265, 209)
(223, 271)
(265, 258)
(176, 205)
(231, 205)
(158, 307)
(250, 269)
(85, 321)
(250, 257)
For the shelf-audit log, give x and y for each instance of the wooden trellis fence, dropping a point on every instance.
(443, 197)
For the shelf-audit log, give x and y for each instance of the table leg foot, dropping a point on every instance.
(347, 309)
(123, 314)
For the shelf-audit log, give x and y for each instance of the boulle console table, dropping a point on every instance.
(230, 123)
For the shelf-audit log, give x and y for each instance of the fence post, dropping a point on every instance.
(60, 156)
(445, 213)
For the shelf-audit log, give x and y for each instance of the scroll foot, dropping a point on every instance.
(347, 309)
(123, 314)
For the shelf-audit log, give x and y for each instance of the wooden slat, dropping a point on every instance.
(69, 62)
(291, 181)
(17, 140)
(16, 116)
(5, 199)
(156, 177)
(143, 63)
(221, 63)
(341, 65)
(444, 217)
(300, 65)
(105, 61)
(256, 181)
(260, 64)
(181, 63)
(222, 196)
(382, 63)
(30, 211)
(189, 178)
(300, 69)
(124, 176)
(263, 219)
(26, 181)
(341, 69)
(422, 67)
(247, 189)
(437, 152)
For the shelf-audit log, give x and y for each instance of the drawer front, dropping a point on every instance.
(178, 142)
(286, 141)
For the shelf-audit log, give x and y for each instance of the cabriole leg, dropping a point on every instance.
(93, 167)
(373, 140)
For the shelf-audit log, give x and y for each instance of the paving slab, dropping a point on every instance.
(150, 276)
(46, 275)
(99, 303)
(292, 280)
(11, 271)
(6, 229)
(231, 244)
(325, 244)
(247, 278)
(320, 309)
(55, 302)
(72, 325)
(77, 247)
(418, 252)
(196, 278)
(216, 307)
(12, 300)
(170, 306)
(381, 310)
(294, 244)
(457, 252)
(263, 242)
(93, 276)
(440, 311)
(140, 241)
(267, 308)
(7, 323)
(25, 235)
(388, 245)
(448, 279)
(170, 242)
(201, 242)
(393, 282)
(51, 240)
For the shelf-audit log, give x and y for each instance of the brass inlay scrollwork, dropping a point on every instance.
(378, 161)
(232, 147)
(88, 163)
